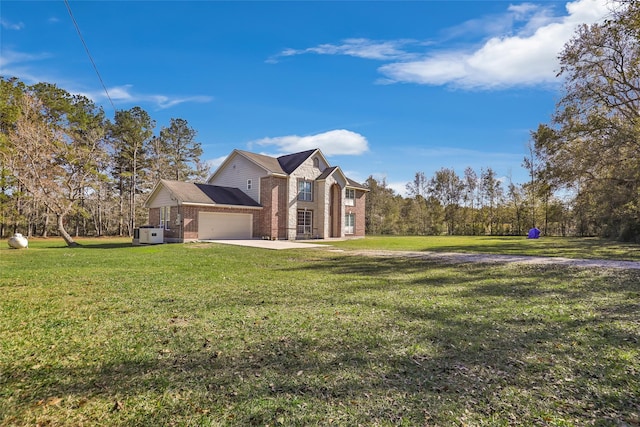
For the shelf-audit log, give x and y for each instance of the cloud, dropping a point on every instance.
(214, 163)
(125, 95)
(334, 142)
(357, 47)
(9, 57)
(20, 65)
(10, 25)
(528, 57)
(518, 48)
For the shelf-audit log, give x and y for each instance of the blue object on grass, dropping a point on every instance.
(534, 233)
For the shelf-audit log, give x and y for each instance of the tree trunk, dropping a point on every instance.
(45, 228)
(65, 235)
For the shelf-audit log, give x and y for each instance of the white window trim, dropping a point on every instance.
(249, 184)
(349, 201)
(350, 228)
(305, 228)
(305, 196)
(165, 217)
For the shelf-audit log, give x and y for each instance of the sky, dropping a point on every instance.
(384, 88)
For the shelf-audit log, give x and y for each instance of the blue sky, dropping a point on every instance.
(384, 88)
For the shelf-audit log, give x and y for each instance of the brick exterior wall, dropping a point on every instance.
(279, 214)
(187, 231)
(273, 198)
(154, 217)
(361, 198)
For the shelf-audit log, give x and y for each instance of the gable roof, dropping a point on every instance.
(290, 162)
(350, 183)
(286, 164)
(190, 193)
(327, 172)
(282, 165)
(354, 184)
(268, 163)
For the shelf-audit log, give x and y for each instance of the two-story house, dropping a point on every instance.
(296, 196)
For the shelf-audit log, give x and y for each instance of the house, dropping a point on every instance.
(295, 196)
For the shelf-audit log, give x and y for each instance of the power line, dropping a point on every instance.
(66, 2)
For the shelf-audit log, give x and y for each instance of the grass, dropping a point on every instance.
(588, 248)
(214, 335)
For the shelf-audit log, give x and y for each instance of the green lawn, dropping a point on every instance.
(205, 334)
(590, 248)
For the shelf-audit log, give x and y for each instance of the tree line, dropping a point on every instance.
(471, 204)
(589, 152)
(67, 169)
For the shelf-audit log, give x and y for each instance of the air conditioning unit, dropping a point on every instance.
(151, 236)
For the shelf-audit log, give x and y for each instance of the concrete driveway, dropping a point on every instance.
(268, 244)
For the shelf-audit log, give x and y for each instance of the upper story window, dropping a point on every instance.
(316, 162)
(305, 190)
(349, 197)
(249, 184)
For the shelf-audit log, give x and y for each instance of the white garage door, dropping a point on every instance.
(213, 226)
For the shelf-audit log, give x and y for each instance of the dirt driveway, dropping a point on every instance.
(455, 257)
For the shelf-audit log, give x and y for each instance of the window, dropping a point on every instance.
(165, 217)
(350, 197)
(305, 190)
(316, 162)
(249, 184)
(350, 223)
(305, 221)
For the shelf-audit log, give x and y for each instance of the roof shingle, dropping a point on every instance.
(189, 192)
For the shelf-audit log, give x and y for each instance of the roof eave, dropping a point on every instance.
(216, 205)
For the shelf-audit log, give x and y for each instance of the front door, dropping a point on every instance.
(305, 223)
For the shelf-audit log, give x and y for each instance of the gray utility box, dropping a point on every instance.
(151, 236)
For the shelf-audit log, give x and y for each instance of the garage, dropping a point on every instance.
(215, 226)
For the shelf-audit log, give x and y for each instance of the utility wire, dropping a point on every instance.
(66, 2)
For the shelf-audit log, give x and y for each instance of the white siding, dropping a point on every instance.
(162, 198)
(236, 173)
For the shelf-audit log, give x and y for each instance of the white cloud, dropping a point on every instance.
(335, 142)
(118, 93)
(164, 102)
(20, 65)
(8, 57)
(520, 48)
(526, 58)
(10, 25)
(357, 47)
(125, 95)
(398, 187)
(214, 163)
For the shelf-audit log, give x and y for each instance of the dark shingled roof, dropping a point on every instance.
(290, 162)
(189, 192)
(325, 173)
(226, 195)
(281, 165)
(352, 183)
